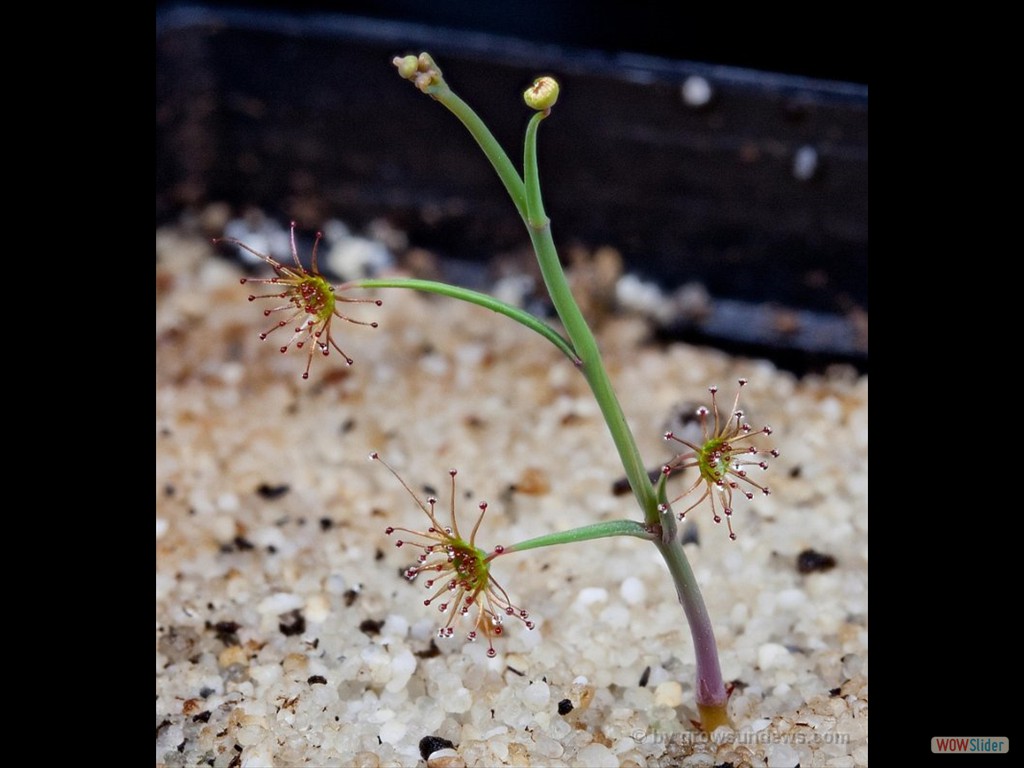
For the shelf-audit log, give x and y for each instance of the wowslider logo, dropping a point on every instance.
(973, 744)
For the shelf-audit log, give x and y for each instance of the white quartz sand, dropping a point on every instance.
(287, 636)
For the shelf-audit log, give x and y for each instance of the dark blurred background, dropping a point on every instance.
(782, 41)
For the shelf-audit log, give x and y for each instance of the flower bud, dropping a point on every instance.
(407, 66)
(542, 94)
(426, 63)
(421, 70)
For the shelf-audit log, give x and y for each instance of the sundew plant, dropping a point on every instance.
(457, 571)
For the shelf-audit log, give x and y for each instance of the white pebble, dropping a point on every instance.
(782, 756)
(263, 235)
(458, 702)
(494, 733)
(222, 527)
(698, 760)
(805, 163)
(696, 91)
(513, 289)
(615, 616)
(161, 527)
(771, 655)
(445, 758)
(759, 725)
(335, 230)
(265, 674)
(317, 608)
(395, 626)
(250, 735)
(843, 761)
(378, 714)
(232, 373)
(434, 364)
(170, 737)
(644, 298)
(392, 731)
(791, 598)
(596, 756)
(536, 695)
(633, 590)
(378, 662)
(447, 683)
(402, 667)
(358, 257)
(257, 756)
(591, 595)
(471, 355)
(228, 502)
(668, 694)
(280, 602)
(831, 409)
(852, 664)
(547, 747)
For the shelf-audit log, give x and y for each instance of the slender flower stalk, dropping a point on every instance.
(717, 458)
(589, 533)
(712, 696)
(424, 73)
(480, 299)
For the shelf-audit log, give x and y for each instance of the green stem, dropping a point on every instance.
(710, 687)
(492, 149)
(579, 332)
(473, 297)
(586, 533)
(711, 694)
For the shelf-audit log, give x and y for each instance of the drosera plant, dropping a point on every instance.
(458, 572)
(311, 302)
(463, 579)
(721, 460)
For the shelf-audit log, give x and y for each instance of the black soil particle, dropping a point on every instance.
(430, 744)
(810, 561)
(293, 623)
(226, 632)
(271, 492)
(371, 626)
(645, 677)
